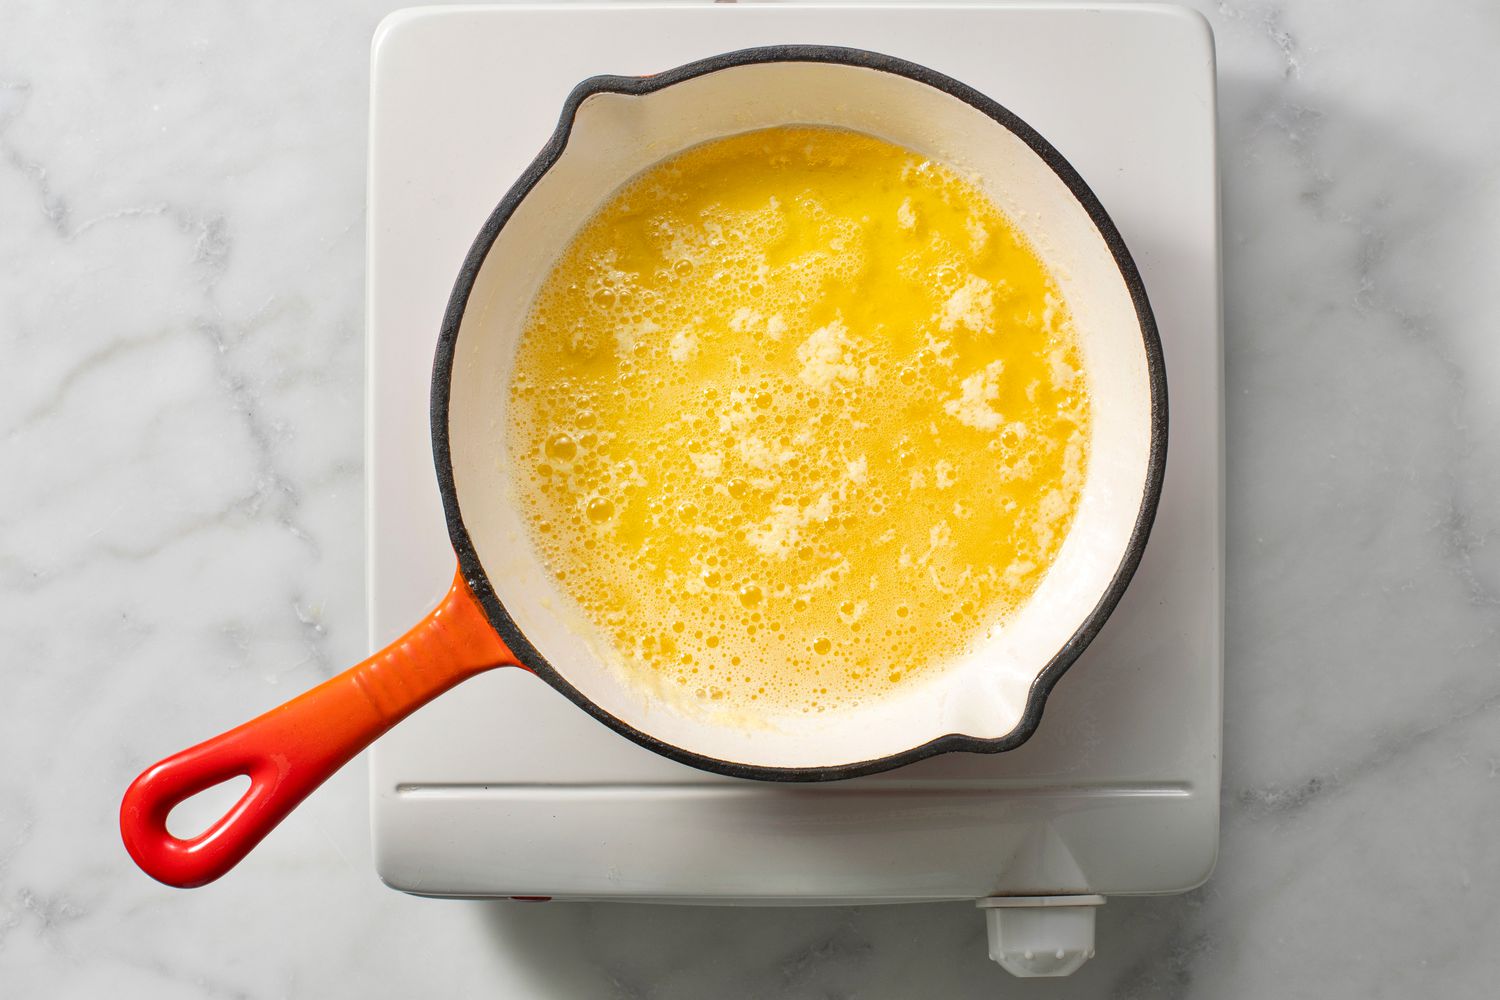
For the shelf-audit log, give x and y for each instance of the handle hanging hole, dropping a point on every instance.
(196, 813)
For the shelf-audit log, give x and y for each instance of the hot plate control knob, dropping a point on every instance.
(1034, 936)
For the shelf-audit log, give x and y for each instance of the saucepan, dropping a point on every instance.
(506, 609)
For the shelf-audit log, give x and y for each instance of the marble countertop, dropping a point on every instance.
(181, 285)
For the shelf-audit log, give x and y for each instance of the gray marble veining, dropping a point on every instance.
(181, 278)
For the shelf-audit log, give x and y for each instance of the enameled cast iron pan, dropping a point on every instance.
(504, 608)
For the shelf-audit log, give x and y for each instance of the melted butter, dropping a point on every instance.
(798, 416)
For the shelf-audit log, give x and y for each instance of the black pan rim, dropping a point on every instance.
(468, 558)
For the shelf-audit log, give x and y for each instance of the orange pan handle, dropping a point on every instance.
(294, 748)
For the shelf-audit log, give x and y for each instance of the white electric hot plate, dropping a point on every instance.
(503, 788)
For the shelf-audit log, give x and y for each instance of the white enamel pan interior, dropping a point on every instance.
(614, 127)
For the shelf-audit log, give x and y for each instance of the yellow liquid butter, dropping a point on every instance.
(798, 416)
